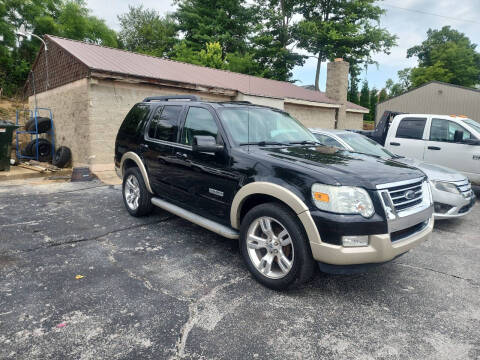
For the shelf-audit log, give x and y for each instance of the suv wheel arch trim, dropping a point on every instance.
(284, 195)
(134, 157)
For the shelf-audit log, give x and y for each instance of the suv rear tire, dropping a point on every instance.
(274, 246)
(136, 197)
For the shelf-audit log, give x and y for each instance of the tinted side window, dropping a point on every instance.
(134, 119)
(199, 121)
(328, 141)
(444, 130)
(164, 124)
(411, 128)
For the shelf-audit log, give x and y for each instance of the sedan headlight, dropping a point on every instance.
(342, 199)
(445, 186)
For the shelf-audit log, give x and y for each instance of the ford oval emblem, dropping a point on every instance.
(409, 195)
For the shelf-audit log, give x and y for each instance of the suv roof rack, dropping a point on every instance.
(236, 102)
(172, 97)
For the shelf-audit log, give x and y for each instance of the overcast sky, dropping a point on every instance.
(409, 25)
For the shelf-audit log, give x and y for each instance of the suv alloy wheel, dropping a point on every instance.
(274, 247)
(136, 197)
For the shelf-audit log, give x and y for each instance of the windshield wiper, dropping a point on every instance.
(264, 143)
(305, 142)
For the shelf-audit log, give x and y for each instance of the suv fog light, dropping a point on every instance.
(351, 241)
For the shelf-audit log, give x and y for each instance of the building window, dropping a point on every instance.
(411, 128)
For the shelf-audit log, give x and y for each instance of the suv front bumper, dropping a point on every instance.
(381, 248)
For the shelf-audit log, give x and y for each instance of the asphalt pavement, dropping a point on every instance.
(81, 279)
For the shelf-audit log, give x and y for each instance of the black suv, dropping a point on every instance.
(254, 173)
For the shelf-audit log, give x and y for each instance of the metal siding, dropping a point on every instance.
(435, 98)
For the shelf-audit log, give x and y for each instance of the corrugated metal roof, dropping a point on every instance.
(104, 59)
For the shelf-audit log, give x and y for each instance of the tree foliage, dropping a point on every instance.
(342, 28)
(145, 31)
(446, 55)
(227, 22)
(272, 45)
(373, 104)
(69, 19)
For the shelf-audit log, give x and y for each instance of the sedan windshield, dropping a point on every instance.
(264, 127)
(362, 144)
(474, 124)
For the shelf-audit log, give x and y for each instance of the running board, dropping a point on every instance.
(196, 219)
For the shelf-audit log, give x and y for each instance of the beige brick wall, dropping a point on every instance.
(70, 117)
(354, 121)
(109, 102)
(312, 117)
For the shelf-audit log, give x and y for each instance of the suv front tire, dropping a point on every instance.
(136, 197)
(274, 247)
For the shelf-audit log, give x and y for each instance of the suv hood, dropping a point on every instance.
(434, 172)
(345, 167)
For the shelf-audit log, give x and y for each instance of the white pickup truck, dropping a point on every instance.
(451, 141)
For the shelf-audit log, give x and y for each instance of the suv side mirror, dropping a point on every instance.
(458, 136)
(203, 143)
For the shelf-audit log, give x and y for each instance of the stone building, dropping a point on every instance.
(91, 88)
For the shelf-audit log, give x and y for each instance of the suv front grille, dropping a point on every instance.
(464, 187)
(406, 196)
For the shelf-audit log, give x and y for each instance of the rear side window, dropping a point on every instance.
(134, 119)
(444, 130)
(164, 124)
(411, 128)
(199, 121)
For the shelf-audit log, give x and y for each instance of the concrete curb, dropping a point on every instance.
(30, 174)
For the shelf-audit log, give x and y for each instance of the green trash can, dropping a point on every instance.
(6, 131)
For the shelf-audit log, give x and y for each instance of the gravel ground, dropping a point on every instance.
(81, 279)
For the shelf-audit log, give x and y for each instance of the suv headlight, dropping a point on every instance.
(342, 199)
(445, 186)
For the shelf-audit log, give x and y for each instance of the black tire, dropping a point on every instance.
(27, 150)
(62, 157)
(44, 124)
(145, 205)
(303, 265)
(44, 149)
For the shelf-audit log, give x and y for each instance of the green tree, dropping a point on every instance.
(383, 95)
(227, 22)
(274, 39)
(352, 94)
(69, 19)
(365, 98)
(446, 55)
(342, 28)
(373, 103)
(145, 31)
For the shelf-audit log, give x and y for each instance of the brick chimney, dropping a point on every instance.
(337, 88)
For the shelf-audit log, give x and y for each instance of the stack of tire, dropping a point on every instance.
(63, 154)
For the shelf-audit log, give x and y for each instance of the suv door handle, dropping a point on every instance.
(395, 144)
(181, 155)
(143, 147)
(434, 148)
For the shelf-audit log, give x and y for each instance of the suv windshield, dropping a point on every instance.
(264, 127)
(474, 124)
(362, 144)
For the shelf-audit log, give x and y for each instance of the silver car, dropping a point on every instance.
(452, 192)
